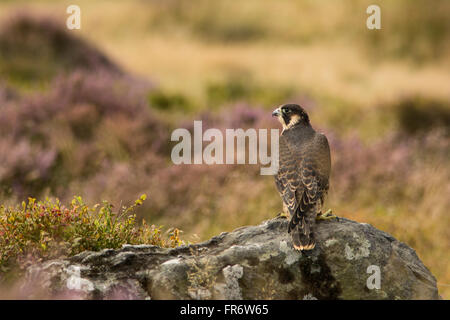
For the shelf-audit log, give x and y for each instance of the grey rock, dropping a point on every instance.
(254, 262)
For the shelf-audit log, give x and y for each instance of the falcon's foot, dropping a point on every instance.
(283, 215)
(326, 216)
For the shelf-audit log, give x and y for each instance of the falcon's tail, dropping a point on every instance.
(302, 240)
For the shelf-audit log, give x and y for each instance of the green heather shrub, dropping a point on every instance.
(41, 230)
(421, 115)
(238, 88)
(34, 49)
(168, 101)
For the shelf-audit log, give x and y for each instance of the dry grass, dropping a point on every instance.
(333, 67)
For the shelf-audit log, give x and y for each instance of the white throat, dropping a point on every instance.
(293, 121)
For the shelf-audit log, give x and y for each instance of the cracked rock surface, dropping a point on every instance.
(351, 261)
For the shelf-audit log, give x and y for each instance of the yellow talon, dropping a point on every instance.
(283, 215)
(326, 216)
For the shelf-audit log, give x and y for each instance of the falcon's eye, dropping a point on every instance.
(286, 111)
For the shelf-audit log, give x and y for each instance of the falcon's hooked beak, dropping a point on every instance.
(276, 112)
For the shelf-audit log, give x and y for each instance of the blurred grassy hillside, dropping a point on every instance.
(89, 112)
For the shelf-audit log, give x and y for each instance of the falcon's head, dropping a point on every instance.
(290, 115)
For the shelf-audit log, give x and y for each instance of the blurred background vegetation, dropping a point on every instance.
(89, 112)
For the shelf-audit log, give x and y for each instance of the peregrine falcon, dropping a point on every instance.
(303, 174)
